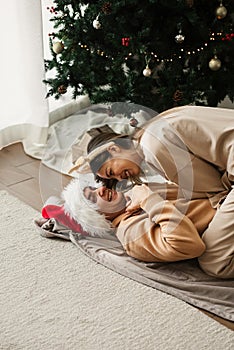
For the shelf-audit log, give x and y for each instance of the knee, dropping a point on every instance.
(218, 270)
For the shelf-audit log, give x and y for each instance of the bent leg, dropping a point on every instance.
(218, 259)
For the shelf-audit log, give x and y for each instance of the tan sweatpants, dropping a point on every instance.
(218, 259)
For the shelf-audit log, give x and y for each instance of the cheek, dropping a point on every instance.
(125, 164)
(120, 164)
(114, 207)
(102, 171)
(101, 204)
(116, 165)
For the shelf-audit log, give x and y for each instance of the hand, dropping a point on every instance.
(137, 195)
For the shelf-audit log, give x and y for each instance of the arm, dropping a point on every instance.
(161, 234)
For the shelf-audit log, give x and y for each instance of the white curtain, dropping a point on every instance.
(24, 112)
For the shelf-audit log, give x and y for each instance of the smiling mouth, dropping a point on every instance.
(110, 195)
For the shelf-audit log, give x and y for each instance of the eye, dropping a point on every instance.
(94, 197)
(109, 172)
(90, 194)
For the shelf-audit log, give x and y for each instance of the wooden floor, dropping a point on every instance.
(30, 181)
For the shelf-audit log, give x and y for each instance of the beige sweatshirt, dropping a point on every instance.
(165, 228)
(192, 146)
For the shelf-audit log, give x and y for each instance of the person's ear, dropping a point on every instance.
(114, 149)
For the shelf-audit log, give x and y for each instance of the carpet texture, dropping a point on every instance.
(54, 297)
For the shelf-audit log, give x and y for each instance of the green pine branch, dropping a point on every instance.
(100, 63)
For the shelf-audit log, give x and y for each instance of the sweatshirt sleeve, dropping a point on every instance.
(160, 234)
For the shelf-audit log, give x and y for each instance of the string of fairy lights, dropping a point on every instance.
(148, 57)
(155, 55)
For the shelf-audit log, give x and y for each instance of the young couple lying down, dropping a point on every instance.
(190, 215)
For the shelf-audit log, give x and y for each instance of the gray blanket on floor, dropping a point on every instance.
(184, 280)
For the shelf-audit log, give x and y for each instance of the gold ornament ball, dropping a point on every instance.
(147, 72)
(58, 47)
(221, 12)
(215, 64)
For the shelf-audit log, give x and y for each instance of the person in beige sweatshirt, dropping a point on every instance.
(152, 223)
(192, 146)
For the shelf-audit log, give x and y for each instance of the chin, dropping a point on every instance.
(116, 208)
(114, 214)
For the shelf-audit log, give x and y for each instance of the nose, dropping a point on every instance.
(118, 177)
(101, 190)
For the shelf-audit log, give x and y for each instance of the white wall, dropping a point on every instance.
(48, 28)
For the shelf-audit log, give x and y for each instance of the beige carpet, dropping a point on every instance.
(54, 297)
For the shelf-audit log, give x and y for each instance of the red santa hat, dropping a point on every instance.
(57, 212)
(78, 213)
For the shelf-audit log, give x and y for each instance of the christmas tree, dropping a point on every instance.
(157, 53)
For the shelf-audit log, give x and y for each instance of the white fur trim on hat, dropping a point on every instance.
(83, 211)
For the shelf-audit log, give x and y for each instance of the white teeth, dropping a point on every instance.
(109, 195)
